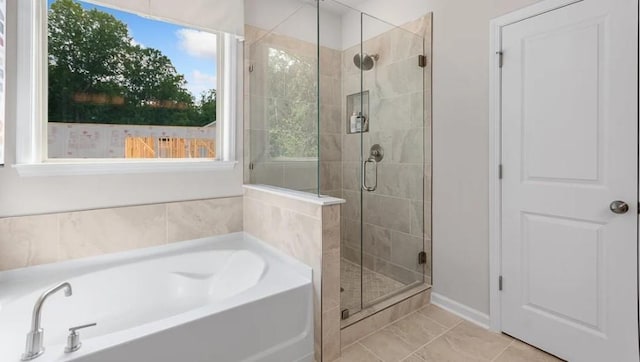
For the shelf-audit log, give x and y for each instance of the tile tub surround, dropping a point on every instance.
(397, 216)
(40, 239)
(432, 334)
(307, 228)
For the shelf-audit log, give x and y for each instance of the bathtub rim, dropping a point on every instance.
(110, 260)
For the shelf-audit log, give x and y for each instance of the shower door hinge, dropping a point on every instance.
(344, 314)
(500, 171)
(422, 257)
(422, 61)
(500, 282)
(500, 58)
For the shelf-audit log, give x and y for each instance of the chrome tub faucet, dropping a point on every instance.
(34, 347)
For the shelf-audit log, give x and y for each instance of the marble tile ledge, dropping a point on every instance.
(321, 200)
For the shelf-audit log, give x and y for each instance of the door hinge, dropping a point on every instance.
(500, 282)
(251, 68)
(251, 166)
(500, 58)
(422, 257)
(500, 171)
(422, 61)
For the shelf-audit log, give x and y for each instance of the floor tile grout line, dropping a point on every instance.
(417, 311)
(447, 329)
(372, 352)
(381, 328)
(503, 351)
(433, 320)
(403, 340)
(348, 346)
(414, 351)
(436, 337)
(414, 355)
(407, 316)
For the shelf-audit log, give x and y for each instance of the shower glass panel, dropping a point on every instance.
(383, 160)
(340, 98)
(283, 102)
(392, 154)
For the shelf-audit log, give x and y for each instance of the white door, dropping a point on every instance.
(569, 149)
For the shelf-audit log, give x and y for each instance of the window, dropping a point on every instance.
(101, 92)
(126, 86)
(37, 184)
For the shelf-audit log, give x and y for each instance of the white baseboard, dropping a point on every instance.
(461, 310)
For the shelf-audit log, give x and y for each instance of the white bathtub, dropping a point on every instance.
(226, 298)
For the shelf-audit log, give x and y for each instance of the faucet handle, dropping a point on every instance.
(73, 329)
(73, 339)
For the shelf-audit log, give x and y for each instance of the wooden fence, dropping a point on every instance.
(169, 147)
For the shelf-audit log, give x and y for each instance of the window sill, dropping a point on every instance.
(110, 167)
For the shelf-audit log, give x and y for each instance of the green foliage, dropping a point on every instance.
(97, 74)
(207, 106)
(292, 113)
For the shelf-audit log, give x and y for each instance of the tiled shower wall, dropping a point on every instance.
(268, 93)
(400, 121)
(40, 239)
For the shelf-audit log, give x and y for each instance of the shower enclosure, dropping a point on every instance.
(338, 103)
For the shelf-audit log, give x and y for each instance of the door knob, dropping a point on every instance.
(619, 207)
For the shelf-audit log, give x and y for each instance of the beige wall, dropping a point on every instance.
(461, 147)
(40, 239)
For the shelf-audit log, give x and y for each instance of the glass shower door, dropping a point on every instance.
(392, 160)
(382, 121)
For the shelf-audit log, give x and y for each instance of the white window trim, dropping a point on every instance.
(31, 113)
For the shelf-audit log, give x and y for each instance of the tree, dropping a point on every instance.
(207, 106)
(97, 74)
(292, 111)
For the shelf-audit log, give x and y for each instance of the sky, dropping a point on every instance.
(192, 51)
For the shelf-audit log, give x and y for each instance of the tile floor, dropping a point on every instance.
(435, 335)
(375, 285)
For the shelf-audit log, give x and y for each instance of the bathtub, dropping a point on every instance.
(225, 298)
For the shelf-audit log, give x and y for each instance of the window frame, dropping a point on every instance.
(32, 102)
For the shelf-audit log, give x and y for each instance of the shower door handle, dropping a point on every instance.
(364, 175)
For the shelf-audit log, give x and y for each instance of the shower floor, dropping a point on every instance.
(375, 285)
